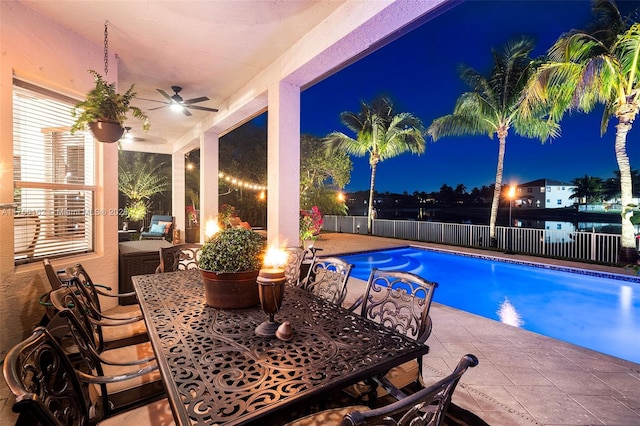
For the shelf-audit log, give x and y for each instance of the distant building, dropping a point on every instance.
(544, 194)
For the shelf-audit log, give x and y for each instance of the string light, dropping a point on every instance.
(240, 183)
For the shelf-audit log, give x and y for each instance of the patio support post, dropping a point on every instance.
(177, 192)
(209, 167)
(283, 164)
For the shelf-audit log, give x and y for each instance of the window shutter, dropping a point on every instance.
(54, 183)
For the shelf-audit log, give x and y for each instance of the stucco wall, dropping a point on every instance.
(41, 52)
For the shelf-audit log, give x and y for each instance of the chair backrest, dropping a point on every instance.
(83, 302)
(424, 407)
(72, 310)
(81, 327)
(292, 268)
(400, 301)
(327, 278)
(180, 257)
(52, 275)
(26, 235)
(44, 382)
(85, 285)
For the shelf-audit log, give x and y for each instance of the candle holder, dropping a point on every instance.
(270, 291)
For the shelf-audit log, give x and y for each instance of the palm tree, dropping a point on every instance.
(139, 182)
(382, 133)
(587, 188)
(493, 107)
(598, 66)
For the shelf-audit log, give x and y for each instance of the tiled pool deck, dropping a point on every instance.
(523, 378)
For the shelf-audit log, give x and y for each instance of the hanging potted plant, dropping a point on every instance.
(229, 264)
(104, 111)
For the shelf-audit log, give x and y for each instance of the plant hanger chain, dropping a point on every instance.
(106, 48)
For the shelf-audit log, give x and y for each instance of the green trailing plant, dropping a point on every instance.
(103, 103)
(233, 250)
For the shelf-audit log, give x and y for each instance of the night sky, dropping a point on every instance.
(419, 72)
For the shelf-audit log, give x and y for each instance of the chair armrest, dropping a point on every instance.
(108, 321)
(129, 362)
(90, 378)
(102, 293)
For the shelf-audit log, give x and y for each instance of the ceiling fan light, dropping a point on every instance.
(127, 137)
(177, 107)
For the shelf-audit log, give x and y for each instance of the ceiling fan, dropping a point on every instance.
(176, 101)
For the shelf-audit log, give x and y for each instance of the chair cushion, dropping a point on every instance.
(156, 228)
(125, 331)
(401, 376)
(331, 417)
(157, 413)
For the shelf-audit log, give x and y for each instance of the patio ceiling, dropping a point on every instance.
(209, 48)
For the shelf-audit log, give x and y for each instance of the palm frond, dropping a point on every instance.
(337, 141)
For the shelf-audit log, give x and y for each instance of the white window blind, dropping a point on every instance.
(54, 177)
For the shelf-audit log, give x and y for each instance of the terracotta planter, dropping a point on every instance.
(105, 131)
(230, 291)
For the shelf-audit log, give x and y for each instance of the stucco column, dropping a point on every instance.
(283, 164)
(209, 165)
(177, 192)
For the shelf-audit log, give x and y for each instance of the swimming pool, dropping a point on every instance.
(595, 310)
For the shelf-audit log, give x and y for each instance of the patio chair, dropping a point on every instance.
(119, 326)
(427, 406)
(400, 301)
(294, 260)
(57, 279)
(179, 257)
(327, 278)
(110, 397)
(50, 391)
(160, 227)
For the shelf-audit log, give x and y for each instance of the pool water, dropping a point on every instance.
(599, 311)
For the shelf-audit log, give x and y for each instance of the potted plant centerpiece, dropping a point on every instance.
(104, 111)
(229, 264)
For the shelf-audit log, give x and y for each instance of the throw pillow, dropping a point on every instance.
(156, 228)
(166, 225)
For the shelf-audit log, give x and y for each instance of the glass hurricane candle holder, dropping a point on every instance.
(271, 280)
(271, 292)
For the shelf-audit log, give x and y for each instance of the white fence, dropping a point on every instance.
(580, 246)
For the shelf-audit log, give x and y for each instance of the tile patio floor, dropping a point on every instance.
(523, 378)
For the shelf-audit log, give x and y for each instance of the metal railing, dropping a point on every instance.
(580, 246)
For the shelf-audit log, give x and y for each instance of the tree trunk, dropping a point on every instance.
(628, 250)
(374, 165)
(495, 203)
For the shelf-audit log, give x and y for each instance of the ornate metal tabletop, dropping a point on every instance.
(217, 371)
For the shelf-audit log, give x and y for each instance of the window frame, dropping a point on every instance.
(57, 184)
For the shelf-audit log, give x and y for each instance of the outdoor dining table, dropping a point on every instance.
(216, 370)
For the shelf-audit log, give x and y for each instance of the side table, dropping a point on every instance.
(137, 258)
(125, 235)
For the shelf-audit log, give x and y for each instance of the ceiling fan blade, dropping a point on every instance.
(163, 93)
(186, 112)
(151, 100)
(162, 106)
(195, 100)
(201, 108)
